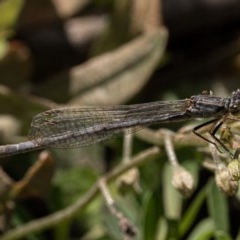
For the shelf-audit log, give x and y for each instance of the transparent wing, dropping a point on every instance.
(77, 127)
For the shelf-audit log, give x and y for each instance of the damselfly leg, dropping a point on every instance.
(217, 123)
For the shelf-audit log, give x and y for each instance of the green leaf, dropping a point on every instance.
(220, 235)
(191, 213)
(203, 231)
(9, 11)
(151, 214)
(3, 47)
(172, 200)
(218, 208)
(162, 229)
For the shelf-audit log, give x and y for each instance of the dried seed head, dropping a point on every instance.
(234, 170)
(183, 181)
(129, 181)
(225, 183)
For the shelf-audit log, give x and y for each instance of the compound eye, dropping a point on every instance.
(235, 102)
(235, 108)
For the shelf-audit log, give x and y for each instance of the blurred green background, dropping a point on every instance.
(102, 52)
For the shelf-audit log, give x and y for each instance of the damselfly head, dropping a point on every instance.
(235, 102)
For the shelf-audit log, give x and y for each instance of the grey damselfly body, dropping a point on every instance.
(78, 127)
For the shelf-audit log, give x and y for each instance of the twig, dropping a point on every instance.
(73, 210)
(179, 138)
(129, 180)
(182, 179)
(168, 143)
(126, 227)
(127, 147)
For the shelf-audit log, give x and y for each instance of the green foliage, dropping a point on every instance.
(127, 59)
(9, 12)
